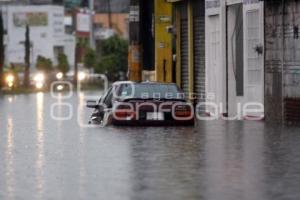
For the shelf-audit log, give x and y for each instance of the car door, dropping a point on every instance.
(99, 113)
(108, 104)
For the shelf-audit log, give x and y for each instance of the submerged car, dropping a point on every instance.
(142, 104)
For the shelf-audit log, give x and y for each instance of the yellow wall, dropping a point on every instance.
(191, 48)
(178, 46)
(163, 41)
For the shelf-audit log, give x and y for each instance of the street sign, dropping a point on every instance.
(134, 14)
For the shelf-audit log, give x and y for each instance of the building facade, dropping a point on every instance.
(252, 56)
(189, 42)
(119, 23)
(111, 17)
(33, 2)
(233, 53)
(47, 33)
(151, 41)
(163, 43)
(282, 60)
(178, 31)
(115, 6)
(235, 56)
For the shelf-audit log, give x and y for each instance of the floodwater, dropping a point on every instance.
(47, 152)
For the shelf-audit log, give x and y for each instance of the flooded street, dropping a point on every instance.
(45, 153)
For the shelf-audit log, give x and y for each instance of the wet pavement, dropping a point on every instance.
(45, 158)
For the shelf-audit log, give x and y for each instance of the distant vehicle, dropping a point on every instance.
(142, 104)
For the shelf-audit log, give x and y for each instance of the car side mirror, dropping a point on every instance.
(92, 104)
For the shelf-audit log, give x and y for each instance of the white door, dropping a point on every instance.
(213, 67)
(253, 53)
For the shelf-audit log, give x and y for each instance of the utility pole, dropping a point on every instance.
(92, 12)
(75, 78)
(134, 52)
(27, 57)
(109, 14)
(1, 49)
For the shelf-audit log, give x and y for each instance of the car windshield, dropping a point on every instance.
(150, 91)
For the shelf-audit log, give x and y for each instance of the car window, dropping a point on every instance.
(108, 99)
(125, 90)
(168, 91)
(103, 97)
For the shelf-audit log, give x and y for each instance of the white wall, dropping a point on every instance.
(218, 8)
(43, 38)
(215, 65)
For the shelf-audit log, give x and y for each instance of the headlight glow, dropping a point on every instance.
(81, 76)
(10, 78)
(60, 87)
(39, 85)
(59, 75)
(39, 80)
(39, 77)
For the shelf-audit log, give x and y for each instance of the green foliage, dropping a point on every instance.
(90, 59)
(108, 64)
(63, 64)
(44, 64)
(114, 57)
(83, 42)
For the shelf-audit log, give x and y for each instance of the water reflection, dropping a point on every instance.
(40, 160)
(58, 109)
(234, 161)
(82, 149)
(81, 118)
(10, 156)
(10, 99)
(165, 163)
(214, 160)
(254, 162)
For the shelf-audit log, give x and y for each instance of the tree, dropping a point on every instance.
(1, 49)
(27, 57)
(90, 59)
(63, 64)
(114, 57)
(44, 64)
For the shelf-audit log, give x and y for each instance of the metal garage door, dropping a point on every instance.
(184, 47)
(199, 51)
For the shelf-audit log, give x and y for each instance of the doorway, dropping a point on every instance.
(245, 72)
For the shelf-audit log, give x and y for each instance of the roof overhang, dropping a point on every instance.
(173, 1)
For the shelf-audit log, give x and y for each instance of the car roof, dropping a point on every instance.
(123, 82)
(156, 83)
(142, 83)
